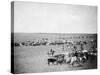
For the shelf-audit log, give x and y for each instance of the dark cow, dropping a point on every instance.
(57, 59)
(52, 61)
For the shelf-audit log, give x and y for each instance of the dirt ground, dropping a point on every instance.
(33, 59)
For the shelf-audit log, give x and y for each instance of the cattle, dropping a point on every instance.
(60, 58)
(57, 59)
(52, 61)
(36, 44)
(16, 44)
(68, 59)
(82, 55)
(77, 57)
(74, 60)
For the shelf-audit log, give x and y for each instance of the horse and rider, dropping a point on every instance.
(51, 52)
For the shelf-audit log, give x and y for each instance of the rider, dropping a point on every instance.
(52, 51)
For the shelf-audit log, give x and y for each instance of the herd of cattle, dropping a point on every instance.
(49, 42)
(40, 42)
(74, 57)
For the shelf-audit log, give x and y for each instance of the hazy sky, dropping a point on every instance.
(54, 18)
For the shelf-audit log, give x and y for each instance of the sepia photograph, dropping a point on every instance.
(52, 37)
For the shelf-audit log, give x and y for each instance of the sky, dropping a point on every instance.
(32, 17)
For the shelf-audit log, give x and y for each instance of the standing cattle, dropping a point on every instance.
(52, 61)
(57, 59)
(74, 60)
(68, 59)
(60, 58)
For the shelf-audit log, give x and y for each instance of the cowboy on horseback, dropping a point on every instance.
(51, 52)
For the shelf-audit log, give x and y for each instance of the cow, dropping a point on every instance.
(68, 59)
(52, 61)
(73, 60)
(57, 59)
(60, 58)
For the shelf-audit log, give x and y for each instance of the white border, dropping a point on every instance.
(5, 29)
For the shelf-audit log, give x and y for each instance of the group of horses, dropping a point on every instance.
(76, 58)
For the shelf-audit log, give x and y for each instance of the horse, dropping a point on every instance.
(51, 53)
